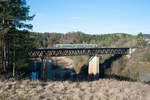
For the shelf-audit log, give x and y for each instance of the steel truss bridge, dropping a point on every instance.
(55, 52)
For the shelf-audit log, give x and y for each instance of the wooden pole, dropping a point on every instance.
(42, 67)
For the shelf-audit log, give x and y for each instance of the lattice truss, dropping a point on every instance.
(77, 52)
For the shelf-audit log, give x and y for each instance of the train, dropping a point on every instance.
(75, 46)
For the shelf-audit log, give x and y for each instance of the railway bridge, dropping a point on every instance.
(55, 52)
(94, 52)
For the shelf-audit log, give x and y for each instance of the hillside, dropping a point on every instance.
(126, 67)
(46, 40)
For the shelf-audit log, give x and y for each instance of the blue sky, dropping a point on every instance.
(91, 16)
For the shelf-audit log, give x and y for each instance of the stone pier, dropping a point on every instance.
(93, 66)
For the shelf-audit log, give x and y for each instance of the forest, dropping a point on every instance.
(14, 35)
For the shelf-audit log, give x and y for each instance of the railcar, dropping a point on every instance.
(75, 46)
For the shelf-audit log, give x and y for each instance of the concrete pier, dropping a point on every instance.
(93, 66)
(131, 51)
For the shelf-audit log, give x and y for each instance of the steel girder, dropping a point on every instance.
(77, 52)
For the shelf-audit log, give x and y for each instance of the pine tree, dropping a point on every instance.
(13, 14)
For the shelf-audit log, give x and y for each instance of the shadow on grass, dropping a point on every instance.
(89, 78)
(83, 76)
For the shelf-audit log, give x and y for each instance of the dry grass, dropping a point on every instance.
(137, 63)
(103, 89)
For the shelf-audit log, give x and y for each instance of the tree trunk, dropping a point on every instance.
(8, 51)
(1, 53)
(3, 43)
(14, 58)
(4, 55)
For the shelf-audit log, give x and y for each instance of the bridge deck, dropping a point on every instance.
(77, 51)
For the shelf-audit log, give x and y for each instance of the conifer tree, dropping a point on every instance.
(13, 15)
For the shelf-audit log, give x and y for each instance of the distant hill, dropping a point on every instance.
(47, 40)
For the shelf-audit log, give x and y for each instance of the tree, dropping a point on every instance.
(3, 31)
(140, 40)
(13, 14)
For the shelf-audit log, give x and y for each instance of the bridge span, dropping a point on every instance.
(93, 63)
(54, 52)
